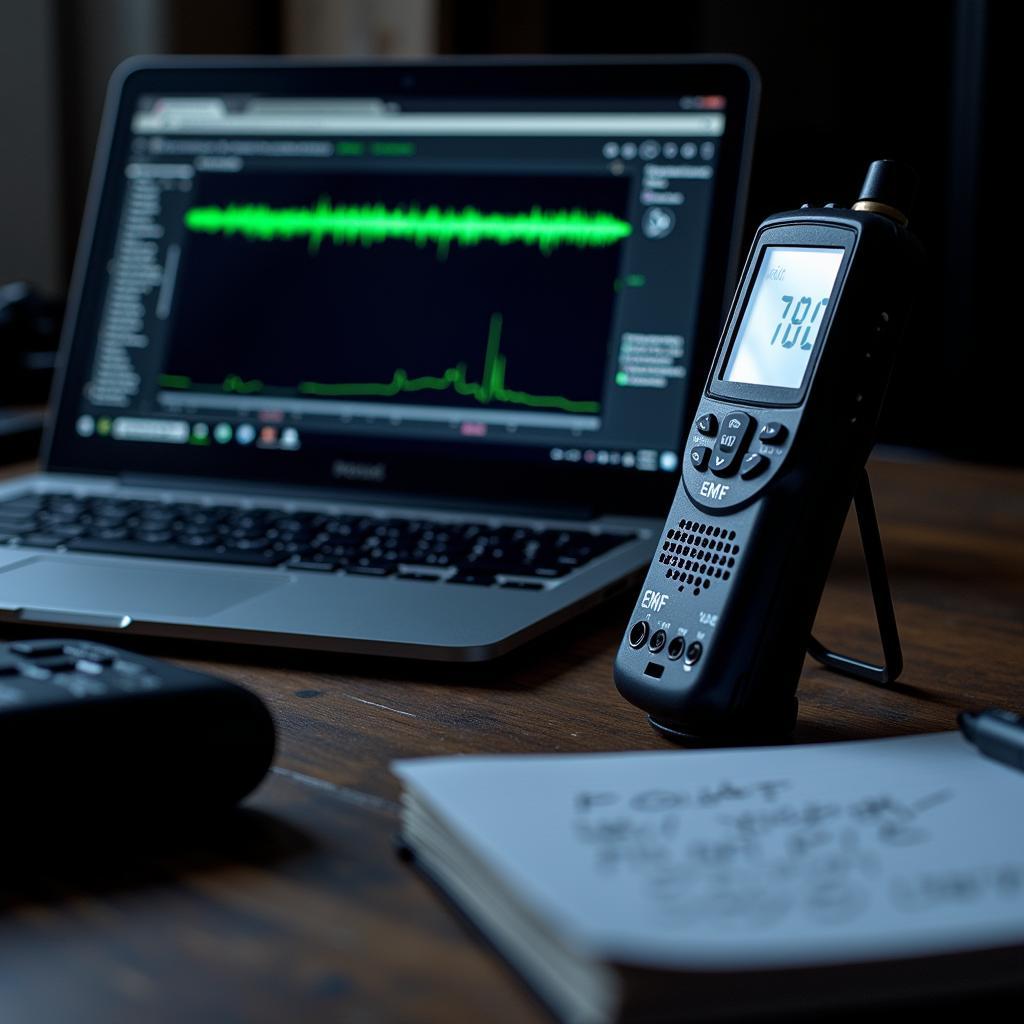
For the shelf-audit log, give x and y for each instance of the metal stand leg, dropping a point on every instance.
(871, 541)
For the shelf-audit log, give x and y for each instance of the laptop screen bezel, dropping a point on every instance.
(479, 473)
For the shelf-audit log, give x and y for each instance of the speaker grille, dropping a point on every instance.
(698, 554)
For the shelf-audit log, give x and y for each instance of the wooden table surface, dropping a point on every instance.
(297, 909)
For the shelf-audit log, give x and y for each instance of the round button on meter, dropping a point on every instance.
(676, 646)
(693, 652)
(638, 634)
(658, 639)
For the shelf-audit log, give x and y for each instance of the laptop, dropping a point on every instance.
(387, 358)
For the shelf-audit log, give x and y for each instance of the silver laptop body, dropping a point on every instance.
(404, 351)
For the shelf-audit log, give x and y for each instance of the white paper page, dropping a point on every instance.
(766, 857)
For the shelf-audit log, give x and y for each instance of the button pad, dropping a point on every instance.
(732, 441)
(707, 425)
(54, 671)
(773, 433)
(729, 469)
(752, 465)
(699, 455)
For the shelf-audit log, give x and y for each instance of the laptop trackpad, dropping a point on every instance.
(139, 591)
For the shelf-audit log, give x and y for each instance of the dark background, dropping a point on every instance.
(843, 83)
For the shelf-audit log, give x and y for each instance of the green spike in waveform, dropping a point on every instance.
(491, 387)
(373, 223)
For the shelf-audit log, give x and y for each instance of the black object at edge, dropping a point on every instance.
(892, 652)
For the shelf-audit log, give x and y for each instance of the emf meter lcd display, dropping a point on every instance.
(784, 314)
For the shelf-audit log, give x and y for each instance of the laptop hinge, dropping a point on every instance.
(359, 496)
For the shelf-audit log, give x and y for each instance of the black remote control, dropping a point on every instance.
(88, 731)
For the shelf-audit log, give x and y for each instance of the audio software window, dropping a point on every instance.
(284, 270)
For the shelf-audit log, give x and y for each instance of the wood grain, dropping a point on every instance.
(296, 908)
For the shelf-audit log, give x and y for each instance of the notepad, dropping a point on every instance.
(611, 881)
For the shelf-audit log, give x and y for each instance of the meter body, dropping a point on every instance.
(784, 427)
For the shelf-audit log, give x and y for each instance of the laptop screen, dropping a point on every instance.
(347, 289)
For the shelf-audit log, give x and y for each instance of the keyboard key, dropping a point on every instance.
(550, 571)
(127, 547)
(372, 569)
(42, 540)
(26, 503)
(15, 525)
(248, 543)
(474, 579)
(153, 537)
(199, 540)
(313, 566)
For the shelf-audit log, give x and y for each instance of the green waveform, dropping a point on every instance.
(372, 223)
(491, 388)
(242, 387)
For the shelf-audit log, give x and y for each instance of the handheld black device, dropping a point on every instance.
(775, 455)
(91, 732)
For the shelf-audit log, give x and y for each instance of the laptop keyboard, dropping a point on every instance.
(420, 549)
